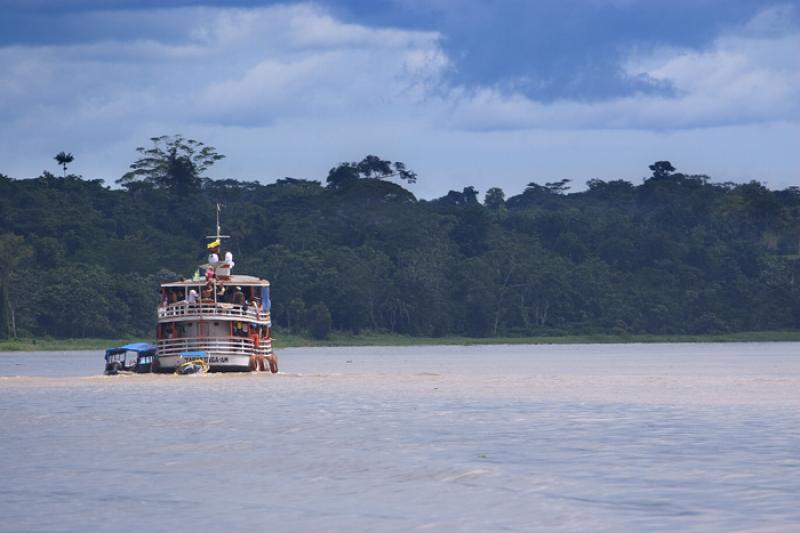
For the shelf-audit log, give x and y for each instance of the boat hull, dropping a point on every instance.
(222, 354)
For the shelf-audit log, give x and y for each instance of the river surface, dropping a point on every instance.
(656, 437)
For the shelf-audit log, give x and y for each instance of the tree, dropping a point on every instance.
(470, 195)
(64, 159)
(535, 194)
(495, 199)
(173, 163)
(558, 187)
(295, 312)
(662, 169)
(13, 250)
(671, 255)
(609, 189)
(319, 321)
(467, 196)
(369, 167)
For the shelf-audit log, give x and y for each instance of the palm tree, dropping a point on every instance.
(64, 159)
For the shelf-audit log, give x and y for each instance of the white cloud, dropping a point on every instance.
(739, 79)
(773, 20)
(238, 66)
(743, 77)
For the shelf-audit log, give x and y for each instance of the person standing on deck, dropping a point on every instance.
(238, 296)
(213, 253)
(213, 259)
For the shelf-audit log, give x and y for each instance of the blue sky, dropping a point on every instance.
(484, 93)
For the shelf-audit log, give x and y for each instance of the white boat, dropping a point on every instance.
(222, 319)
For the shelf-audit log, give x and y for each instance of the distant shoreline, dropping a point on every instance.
(380, 339)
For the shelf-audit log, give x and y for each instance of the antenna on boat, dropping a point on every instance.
(218, 236)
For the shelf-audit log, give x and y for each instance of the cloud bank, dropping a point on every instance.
(292, 90)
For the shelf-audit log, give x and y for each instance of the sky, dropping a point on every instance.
(487, 93)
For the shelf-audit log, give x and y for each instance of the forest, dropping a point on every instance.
(356, 251)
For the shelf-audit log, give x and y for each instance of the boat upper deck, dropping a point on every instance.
(183, 311)
(232, 280)
(235, 297)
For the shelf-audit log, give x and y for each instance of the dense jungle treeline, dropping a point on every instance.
(357, 251)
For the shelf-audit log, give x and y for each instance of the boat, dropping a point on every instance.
(134, 358)
(220, 318)
(192, 363)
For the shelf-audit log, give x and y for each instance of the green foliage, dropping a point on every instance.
(371, 166)
(662, 169)
(675, 255)
(64, 159)
(495, 199)
(319, 321)
(173, 163)
(13, 251)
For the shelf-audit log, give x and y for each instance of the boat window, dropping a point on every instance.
(167, 331)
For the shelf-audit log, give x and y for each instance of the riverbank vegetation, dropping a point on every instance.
(387, 339)
(674, 255)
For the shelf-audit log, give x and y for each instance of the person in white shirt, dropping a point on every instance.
(229, 259)
(213, 258)
(192, 299)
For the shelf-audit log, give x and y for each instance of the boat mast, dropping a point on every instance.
(218, 238)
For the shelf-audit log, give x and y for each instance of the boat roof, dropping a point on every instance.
(236, 279)
(138, 347)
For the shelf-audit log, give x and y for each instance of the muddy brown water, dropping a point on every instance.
(649, 437)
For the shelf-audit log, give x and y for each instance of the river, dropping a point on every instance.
(636, 437)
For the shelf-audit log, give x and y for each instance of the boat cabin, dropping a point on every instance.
(223, 317)
(135, 357)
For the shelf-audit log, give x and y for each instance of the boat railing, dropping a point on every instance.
(265, 348)
(183, 310)
(218, 346)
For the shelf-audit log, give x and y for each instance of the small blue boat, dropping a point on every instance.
(136, 357)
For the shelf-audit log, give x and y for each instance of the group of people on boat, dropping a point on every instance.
(215, 290)
(217, 322)
(217, 268)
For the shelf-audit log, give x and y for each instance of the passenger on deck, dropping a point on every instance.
(238, 296)
(229, 260)
(207, 293)
(213, 253)
(192, 299)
